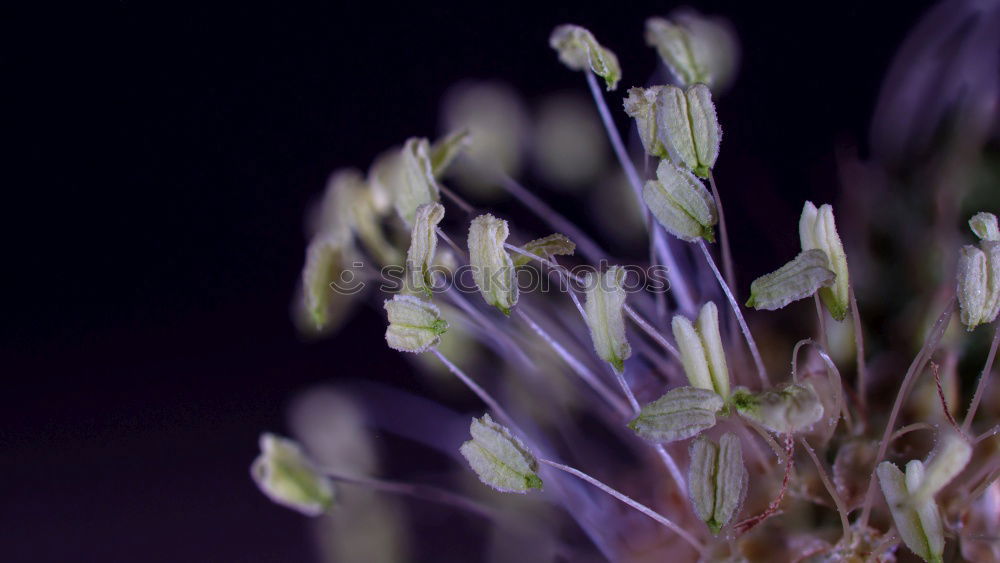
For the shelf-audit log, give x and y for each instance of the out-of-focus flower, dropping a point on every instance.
(695, 48)
(286, 476)
(570, 147)
(579, 50)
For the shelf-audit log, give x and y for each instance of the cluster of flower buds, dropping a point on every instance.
(979, 273)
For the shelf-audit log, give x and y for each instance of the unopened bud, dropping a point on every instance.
(287, 477)
(579, 50)
(688, 127)
(680, 202)
(605, 318)
(792, 408)
(701, 350)
(414, 324)
(423, 244)
(979, 283)
(417, 184)
(546, 247)
(695, 48)
(796, 280)
(717, 480)
(919, 525)
(984, 225)
(679, 414)
(499, 459)
(642, 106)
(492, 268)
(817, 230)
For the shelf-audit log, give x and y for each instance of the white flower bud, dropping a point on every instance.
(414, 325)
(688, 127)
(680, 202)
(695, 48)
(641, 105)
(324, 306)
(287, 477)
(423, 245)
(717, 480)
(417, 184)
(579, 50)
(787, 410)
(500, 459)
(950, 458)
(679, 414)
(546, 247)
(701, 350)
(984, 225)
(604, 316)
(979, 283)
(919, 525)
(817, 230)
(796, 280)
(492, 268)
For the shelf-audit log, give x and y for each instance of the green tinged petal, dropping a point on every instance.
(326, 261)
(680, 202)
(446, 149)
(817, 230)
(789, 409)
(492, 268)
(717, 480)
(287, 477)
(796, 280)
(499, 459)
(546, 247)
(423, 245)
(579, 50)
(414, 325)
(984, 225)
(679, 414)
(920, 525)
(604, 316)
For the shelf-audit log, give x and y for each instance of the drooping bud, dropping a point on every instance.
(423, 244)
(919, 525)
(717, 480)
(546, 247)
(324, 304)
(688, 127)
(579, 50)
(417, 184)
(701, 350)
(679, 414)
(979, 283)
(604, 316)
(680, 202)
(287, 477)
(796, 280)
(641, 105)
(792, 408)
(499, 459)
(817, 230)
(414, 324)
(445, 149)
(492, 268)
(695, 48)
(984, 225)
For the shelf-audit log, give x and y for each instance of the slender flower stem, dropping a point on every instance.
(452, 244)
(727, 254)
(659, 518)
(422, 492)
(676, 280)
(859, 350)
(983, 378)
(483, 395)
(651, 331)
(910, 428)
(839, 502)
(497, 333)
(761, 370)
(988, 434)
(917, 366)
(459, 201)
(821, 322)
(585, 374)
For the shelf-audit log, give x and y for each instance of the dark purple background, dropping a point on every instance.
(159, 163)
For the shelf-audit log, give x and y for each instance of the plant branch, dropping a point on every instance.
(981, 386)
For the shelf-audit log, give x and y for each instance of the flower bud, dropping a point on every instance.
(446, 149)
(688, 127)
(695, 48)
(717, 480)
(604, 316)
(546, 247)
(423, 244)
(701, 350)
(919, 525)
(499, 459)
(578, 49)
(787, 410)
(679, 414)
(984, 225)
(681, 203)
(817, 230)
(492, 268)
(979, 283)
(417, 184)
(796, 280)
(414, 325)
(326, 261)
(641, 105)
(287, 477)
